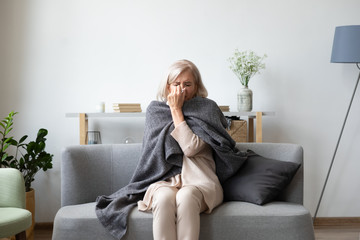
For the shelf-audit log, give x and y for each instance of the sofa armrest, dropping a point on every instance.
(294, 192)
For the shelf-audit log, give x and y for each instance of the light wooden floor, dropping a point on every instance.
(321, 233)
(337, 233)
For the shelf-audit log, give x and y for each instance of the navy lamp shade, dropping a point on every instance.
(346, 45)
(346, 49)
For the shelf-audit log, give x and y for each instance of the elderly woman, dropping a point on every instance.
(186, 155)
(177, 202)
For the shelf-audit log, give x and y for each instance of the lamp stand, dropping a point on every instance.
(337, 145)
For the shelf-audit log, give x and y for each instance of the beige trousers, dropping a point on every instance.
(176, 213)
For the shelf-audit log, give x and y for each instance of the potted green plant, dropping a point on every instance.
(245, 65)
(29, 158)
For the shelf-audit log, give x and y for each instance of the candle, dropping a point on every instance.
(100, 107)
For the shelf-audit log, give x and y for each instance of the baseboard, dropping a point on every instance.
(44, 225)
(337, 221)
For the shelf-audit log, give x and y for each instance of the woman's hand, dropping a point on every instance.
(176, 100)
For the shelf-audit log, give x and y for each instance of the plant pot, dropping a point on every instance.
(30, 206)
(244, 99)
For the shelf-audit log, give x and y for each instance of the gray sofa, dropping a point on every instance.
(92, 170)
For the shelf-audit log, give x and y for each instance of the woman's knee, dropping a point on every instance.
(164, 197)
(189, 198)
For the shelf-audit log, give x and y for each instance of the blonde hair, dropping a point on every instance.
(174, 71)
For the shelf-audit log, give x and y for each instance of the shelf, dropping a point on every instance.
(83, 119)
(103, 115)
(143, 114)
(248, 114)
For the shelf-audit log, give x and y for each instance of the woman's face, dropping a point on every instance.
(186, 81)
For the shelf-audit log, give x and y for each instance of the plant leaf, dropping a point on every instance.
(31, 146)
(6, 140)
(7, 131)
(3, 157)
(23, 138)
(41, 135)
(40, 147)
(5, 147)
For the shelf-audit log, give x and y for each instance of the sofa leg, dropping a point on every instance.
(21, 236)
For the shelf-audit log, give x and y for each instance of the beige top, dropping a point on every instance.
(198, 170)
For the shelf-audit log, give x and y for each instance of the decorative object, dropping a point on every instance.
(245, 65)
(260, 180)
(244, 98)
(346, 49)
(93, 137)
(128, 140)
(127, 107)
(224, 108)
(33, 158)
(100, 107)
(29, 159)
(237, 129)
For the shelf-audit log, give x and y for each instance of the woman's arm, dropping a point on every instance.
(190, 143)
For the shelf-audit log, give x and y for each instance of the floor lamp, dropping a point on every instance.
(346, 49)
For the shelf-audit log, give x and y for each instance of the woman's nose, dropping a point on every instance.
(183, 86)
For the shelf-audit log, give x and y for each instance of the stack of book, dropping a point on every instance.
(224, 108)
(126, 107)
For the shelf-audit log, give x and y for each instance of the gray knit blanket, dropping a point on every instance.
(161, 157)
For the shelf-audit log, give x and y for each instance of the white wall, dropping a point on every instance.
(60, 56)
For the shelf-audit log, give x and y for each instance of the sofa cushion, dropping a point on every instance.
(260, 180)
(230, 220)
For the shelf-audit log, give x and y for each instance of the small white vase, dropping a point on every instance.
(244, 99)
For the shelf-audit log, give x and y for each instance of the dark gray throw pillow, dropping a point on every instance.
(260, 180)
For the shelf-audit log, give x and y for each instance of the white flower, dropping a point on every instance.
(246, 64)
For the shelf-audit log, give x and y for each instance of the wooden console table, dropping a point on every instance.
(84, 117)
